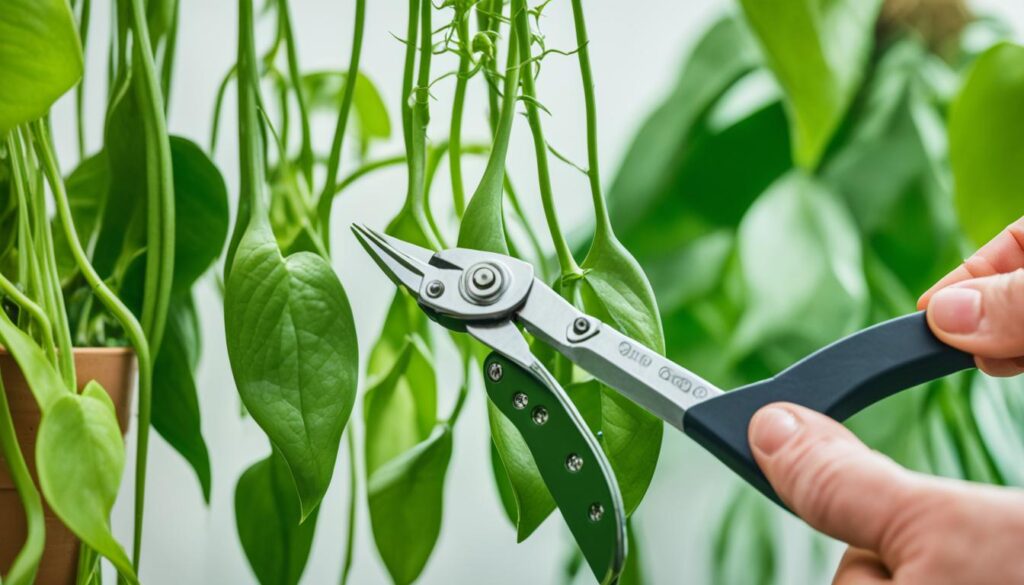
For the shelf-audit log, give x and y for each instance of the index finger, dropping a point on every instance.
(1005, 253)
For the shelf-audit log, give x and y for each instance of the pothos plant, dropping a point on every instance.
(853, 169)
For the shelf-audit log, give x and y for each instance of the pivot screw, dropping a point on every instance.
(520, 400)
(596, 512)
(580, 326)
(484, 277)
(435, 288)
(573, 463)
(540, 415)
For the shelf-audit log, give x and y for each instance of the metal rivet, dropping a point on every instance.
(495, 372)
(580, 326)
(484, 277)
(540, 415)
(435, 288)
(520, 400)
(573, 463)
(596, 512)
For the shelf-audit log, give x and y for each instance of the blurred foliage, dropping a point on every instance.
(758, 257)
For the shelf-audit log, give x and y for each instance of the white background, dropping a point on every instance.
(636, 53)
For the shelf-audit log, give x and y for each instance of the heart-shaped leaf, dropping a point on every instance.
(80, 459)
(615, 290)
(292, 346)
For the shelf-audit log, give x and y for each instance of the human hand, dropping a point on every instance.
(902, 527)
(979, 307)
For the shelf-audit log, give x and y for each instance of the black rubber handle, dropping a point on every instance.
(839, 381)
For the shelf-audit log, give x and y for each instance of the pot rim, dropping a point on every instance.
(90, 351)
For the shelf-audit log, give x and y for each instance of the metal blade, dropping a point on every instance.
(398, 259)
(661, 386)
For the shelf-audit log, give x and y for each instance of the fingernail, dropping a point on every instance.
(771, 428)
(956, 310)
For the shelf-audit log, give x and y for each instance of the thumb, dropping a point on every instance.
(983, 316)
(832, 480)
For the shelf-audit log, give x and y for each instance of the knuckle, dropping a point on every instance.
(978, 266)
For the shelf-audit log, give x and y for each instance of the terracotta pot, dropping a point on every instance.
(114, 369)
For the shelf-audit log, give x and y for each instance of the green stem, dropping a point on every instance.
(458, 105)
(531, 234)
(45, 270)
(121, 313)
(353, 493)
(160, 185)
(326, 201)
(222, 91)
(23, 569)
(419, 118)
(83, 32)
(492, 25)
(170, 50)
(28, 272)
(603, 224)
(159, 238)
(366, 169)
(520, 20)
(408, 74)
(306, 146)
(251, 198)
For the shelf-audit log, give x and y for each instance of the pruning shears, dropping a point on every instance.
(490, 296)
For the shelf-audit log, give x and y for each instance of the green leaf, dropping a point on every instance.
(818, 50)
(175, 401)
(801, 266)
(275, 540)
(43, 380)
(324, 90)
(40, 58)
(532, 500)
(404, 318)
(985, 126)
(629, 437)
(401, 409)
(406, 498)
(201, 201)
(502, 482)
(615, 290)
(80, 459)
(292, 346)
(724, 55)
